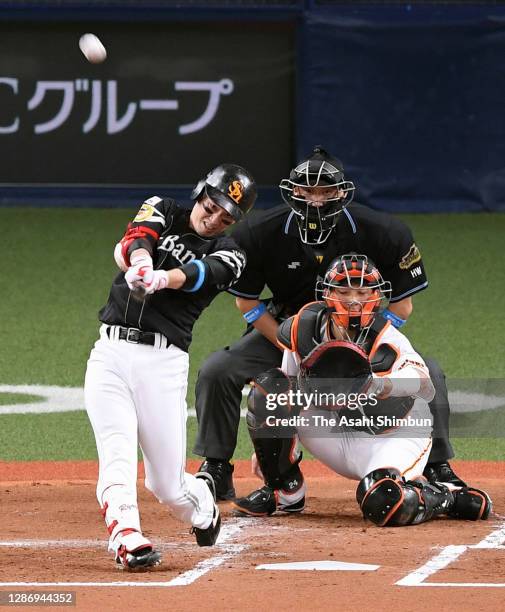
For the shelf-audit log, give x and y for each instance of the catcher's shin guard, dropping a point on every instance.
(276, 447)
(279, 463)
(386, 499)
(470, 504)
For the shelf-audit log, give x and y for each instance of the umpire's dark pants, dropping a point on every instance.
(224, 374)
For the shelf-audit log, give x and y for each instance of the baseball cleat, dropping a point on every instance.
(134, 552)
(470, 504)
(209, 535)
(266, 501)
(222, 474)
(442, 472)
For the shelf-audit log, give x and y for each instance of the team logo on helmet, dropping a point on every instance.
(413, 256)
(236, 191)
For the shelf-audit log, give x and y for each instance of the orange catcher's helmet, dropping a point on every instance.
(354, 290)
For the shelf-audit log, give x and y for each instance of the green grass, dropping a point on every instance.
(68, 435)
(59, 268)
(7, 399)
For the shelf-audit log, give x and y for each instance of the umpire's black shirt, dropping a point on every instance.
(277, 258)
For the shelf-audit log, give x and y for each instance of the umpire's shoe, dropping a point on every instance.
(208, 536)
(266, 501)
(442, 472)
(134, 552)
(222, 474)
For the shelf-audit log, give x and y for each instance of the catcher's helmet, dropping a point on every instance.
(229, 186)
(319, 170)
(354, 272)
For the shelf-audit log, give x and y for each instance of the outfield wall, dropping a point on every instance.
(409, 95)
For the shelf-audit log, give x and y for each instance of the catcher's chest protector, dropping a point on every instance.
(303, 332)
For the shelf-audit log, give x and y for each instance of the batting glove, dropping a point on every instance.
(135, 275)
(154, 280)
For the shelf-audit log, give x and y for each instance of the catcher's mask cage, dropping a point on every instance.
(354, 271)
(229, 186)
(315, 222)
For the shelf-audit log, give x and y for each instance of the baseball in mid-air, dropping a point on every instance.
(93, 49)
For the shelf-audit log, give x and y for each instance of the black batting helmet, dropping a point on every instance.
(229, 186)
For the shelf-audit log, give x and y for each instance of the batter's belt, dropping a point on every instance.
(136, 336)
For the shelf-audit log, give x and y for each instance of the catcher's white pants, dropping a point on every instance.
(355, 454)
(136, 393)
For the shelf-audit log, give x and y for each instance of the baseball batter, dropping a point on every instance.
(378, 433)
(173, 263)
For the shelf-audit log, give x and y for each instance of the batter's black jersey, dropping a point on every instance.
(277, 258)
(165, 224)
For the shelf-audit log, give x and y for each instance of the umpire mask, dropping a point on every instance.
(317, 192)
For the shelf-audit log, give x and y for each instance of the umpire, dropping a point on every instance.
(288, 250)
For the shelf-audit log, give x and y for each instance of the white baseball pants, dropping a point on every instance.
(356, 454)
(136, 394)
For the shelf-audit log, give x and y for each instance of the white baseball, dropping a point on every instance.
(92, 48)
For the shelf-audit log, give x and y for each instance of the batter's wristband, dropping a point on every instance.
(199, 278)
(395, 319)
(255, 313)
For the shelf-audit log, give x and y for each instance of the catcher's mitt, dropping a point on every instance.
(335, 367)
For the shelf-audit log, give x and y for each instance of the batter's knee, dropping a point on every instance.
(169, 492)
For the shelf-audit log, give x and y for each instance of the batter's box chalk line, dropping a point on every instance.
(224, 550)
(495, 540)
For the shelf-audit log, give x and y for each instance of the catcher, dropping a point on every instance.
(355, 393)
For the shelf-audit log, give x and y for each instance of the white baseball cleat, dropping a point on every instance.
(134, 552)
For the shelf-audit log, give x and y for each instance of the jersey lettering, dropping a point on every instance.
(178, 250)
(416, 272)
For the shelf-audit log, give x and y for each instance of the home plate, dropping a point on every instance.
(321, 566)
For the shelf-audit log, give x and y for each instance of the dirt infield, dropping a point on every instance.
(52, 532)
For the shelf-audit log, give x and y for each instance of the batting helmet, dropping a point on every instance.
(316, 220)
(229, 186)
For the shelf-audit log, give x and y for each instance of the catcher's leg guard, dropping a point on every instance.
(470, 504)
(387, 500)
(275, 446)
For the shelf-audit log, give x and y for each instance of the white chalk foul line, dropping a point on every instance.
(228, 532)
(224, 545)
(448, 555)
(88, 544)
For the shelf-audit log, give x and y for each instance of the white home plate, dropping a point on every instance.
(321, 566)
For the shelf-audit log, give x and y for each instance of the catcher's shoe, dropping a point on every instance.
(134, 552)
(222, 474)
(470, 504)
(208, 536)
(265, 501)
(442, 472)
